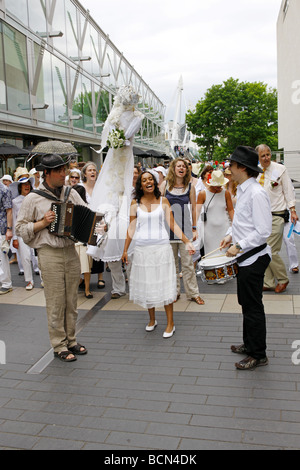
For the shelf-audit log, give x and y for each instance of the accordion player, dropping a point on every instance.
(76, 222)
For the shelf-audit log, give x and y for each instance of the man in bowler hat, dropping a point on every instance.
(58, 259)
(247, 240)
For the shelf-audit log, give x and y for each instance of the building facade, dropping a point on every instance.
(59, 73)
(288, 46)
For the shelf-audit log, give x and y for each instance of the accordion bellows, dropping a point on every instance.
(75, 222)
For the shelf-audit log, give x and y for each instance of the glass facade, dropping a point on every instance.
(59, 73)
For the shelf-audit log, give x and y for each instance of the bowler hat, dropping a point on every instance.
(246, 156)
(49, 162)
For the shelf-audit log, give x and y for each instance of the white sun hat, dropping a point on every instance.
(217, 179)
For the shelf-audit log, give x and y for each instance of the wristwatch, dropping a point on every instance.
(8, 228)
(238, 246)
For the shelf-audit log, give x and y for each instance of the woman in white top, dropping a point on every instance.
(217, 213)
(153, 272)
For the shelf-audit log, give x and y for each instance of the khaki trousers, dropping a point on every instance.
(188, 271)
(276, 269)
(60, 269)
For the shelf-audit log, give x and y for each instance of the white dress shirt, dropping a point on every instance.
(252, 222)
(279, 187)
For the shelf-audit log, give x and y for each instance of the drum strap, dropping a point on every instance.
(250, 253)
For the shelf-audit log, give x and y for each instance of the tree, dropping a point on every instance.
(83, 102)
(234, 113)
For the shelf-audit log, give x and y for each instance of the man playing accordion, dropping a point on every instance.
(58, 260)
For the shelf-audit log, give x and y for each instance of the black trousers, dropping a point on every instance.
(250, 280)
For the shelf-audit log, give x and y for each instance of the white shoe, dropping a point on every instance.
(169, 335)
(29, 286)
(151, 328)
(5, 290)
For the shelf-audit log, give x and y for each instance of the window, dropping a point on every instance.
(16, 73)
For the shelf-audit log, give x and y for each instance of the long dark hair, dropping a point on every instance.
(138, 191)
(81, 191)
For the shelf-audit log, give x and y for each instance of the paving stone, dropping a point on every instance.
(137, 391)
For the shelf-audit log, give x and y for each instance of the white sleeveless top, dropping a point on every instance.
(151, 229)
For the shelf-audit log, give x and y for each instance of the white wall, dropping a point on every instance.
(288, 47)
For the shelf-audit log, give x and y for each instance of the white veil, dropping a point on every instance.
(112, 192)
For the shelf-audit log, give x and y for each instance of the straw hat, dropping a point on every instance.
(20, 173)
(217, 179)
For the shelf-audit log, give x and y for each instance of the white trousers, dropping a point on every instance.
(290, 247)
(25, 253)
(5, 277)
(117, 276)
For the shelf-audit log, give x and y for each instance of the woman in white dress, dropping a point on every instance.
(89, 175)
(153, 272)
(216, 205)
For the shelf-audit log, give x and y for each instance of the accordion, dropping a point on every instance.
(76, 222)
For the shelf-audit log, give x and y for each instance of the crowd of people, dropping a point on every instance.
(244, 205)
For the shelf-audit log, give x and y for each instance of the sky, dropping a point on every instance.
(204, 41)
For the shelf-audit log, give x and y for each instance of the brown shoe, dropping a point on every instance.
(249, 363)
(281, 287)
(116, 295)
(239, 349)
(266, 289)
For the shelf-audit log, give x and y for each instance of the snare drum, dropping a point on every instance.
(217, 270)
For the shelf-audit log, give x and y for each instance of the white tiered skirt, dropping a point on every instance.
(153, 276)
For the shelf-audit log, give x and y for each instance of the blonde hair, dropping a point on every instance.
(234, 187)
(171, 176)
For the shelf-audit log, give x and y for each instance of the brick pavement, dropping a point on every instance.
(137, 391)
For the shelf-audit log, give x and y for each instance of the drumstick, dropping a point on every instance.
(218, 249)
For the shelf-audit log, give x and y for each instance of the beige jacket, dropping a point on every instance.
(279, 187)
(33, 209)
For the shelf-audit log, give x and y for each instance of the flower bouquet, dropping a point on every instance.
(116, 139)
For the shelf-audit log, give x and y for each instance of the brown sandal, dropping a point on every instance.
(78, 349)
(65, 356)
(198, 300)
